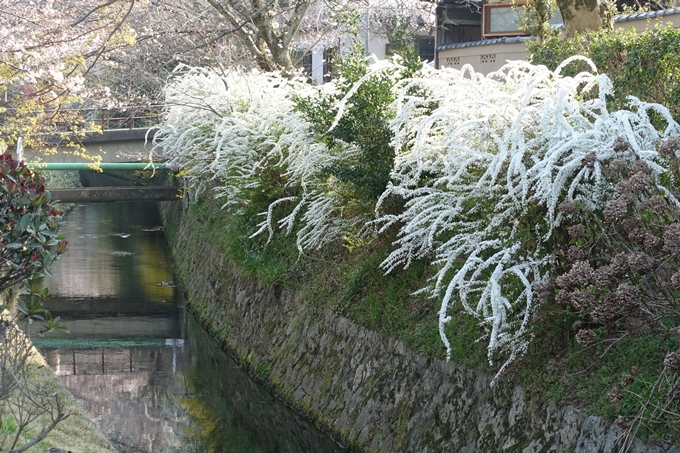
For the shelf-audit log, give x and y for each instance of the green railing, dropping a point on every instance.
(125, 117)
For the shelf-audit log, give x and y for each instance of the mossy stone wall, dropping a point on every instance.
(371, 392)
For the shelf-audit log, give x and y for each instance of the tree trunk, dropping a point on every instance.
(582, 15)
(268, 30)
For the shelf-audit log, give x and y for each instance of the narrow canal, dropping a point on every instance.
(143, 369)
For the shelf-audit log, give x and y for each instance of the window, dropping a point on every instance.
(501, 20)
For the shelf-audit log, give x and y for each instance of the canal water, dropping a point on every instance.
(142, 368)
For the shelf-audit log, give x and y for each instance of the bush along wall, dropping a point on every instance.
(638, 64)
(536, 216)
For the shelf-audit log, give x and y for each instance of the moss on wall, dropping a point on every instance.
(370, 391)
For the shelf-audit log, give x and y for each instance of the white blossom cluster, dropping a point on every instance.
(225, 130)
(475, 157)
(476, 154)
(48, 47)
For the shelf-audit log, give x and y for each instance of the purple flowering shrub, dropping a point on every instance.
(617, 267)
(614, 288)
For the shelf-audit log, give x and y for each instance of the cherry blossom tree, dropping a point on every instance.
(167, 33)
(47, 50)
(196, 33)
(273, 30)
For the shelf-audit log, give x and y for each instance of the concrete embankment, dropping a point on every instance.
(370, 391)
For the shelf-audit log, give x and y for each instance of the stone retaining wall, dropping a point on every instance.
(368, 390)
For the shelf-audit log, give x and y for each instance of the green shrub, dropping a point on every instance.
(365, 124)
(643, 65)
(28, 224)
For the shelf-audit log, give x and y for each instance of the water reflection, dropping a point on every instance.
(144, 371)
(115, 250)
(231, 413)
(130, 393)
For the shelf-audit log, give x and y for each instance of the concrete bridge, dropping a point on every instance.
(117, 193)
(121, 149)
(115, 145)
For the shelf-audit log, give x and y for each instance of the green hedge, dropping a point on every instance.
(644, 65)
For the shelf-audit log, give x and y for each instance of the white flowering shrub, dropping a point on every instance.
(483, 164)
(480, 167)
(239, 134)
(221, 128)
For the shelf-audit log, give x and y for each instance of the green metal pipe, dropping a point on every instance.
(103, 166)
